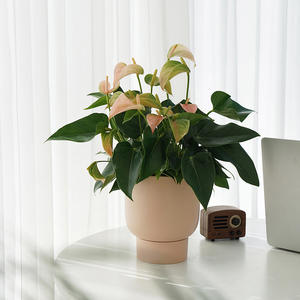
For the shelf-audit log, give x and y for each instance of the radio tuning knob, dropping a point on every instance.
(235, 221)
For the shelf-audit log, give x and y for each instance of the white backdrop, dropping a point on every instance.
(53, 53)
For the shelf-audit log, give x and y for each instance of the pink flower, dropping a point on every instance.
(191, 108)
(123, 104)
(181, 51)
(154, 121)
(121, 70)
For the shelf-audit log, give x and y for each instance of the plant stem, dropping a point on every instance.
(139, 83)
(107, 101)
(188, 85)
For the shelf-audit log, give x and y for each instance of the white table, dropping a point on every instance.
(104, 266)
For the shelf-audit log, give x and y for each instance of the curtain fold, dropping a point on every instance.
(249, 49)
(53, 53)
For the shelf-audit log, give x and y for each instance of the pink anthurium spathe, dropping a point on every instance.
(124, 70)
(154, 121)
(123, 104)
(180, 50)
(104, 86)
(191, 108)
(121, 70)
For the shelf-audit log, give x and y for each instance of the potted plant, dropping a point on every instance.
(147, 139)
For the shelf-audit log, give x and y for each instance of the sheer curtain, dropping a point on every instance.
(250, 49)
(53, 53)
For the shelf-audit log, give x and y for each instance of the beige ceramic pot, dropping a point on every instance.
(162, 217)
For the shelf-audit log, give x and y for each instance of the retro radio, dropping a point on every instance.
(221, 222)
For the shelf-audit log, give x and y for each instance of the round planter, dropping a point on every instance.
(162, 216)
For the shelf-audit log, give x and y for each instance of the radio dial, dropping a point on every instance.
(235, 221)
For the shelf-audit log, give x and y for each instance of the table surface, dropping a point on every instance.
(104, 266)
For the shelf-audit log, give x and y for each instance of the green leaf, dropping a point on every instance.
(173, 158)
(169, 70)
(108, 173)
(129, 114)
(109, 169)
(221, 177)
(114, 97)
(225, 106)
(155, 148)
(210, 134)
(101, 101)
(194, 118)
(199, 172)
(149, 100)
(236, 155)
(101, 127)
(167, 103)
(94, 171)
(96, 94)
(131, 94)
(115, 187)
(82, 130)
(127, 164)
(221, 182)
(98, 184)
(148, 79)
(130, 128)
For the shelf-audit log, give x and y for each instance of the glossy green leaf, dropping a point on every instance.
(149, 100)
(148, 79)
(109, 169)
(221, 182)
(193, 118)
(210, 134)
(130, 128)
(82, 130)
(127, 164)
(108, 173)
(96, 94)
(114, 97)
(108, 180)
(173, 157)
(199, 172)
(129, 115)
(94, 171)
(101, 101)
(102, 127)
(221, 177)
(169, 70)
(98, 185)
(115, 187)
(167, 103)
(155, 148)
(225, 106)
(236, 155)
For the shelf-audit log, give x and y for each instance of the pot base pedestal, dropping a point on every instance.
(162, 252)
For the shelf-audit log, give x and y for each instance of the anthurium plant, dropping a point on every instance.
(144, 136)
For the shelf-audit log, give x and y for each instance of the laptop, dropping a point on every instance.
(281, 177)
